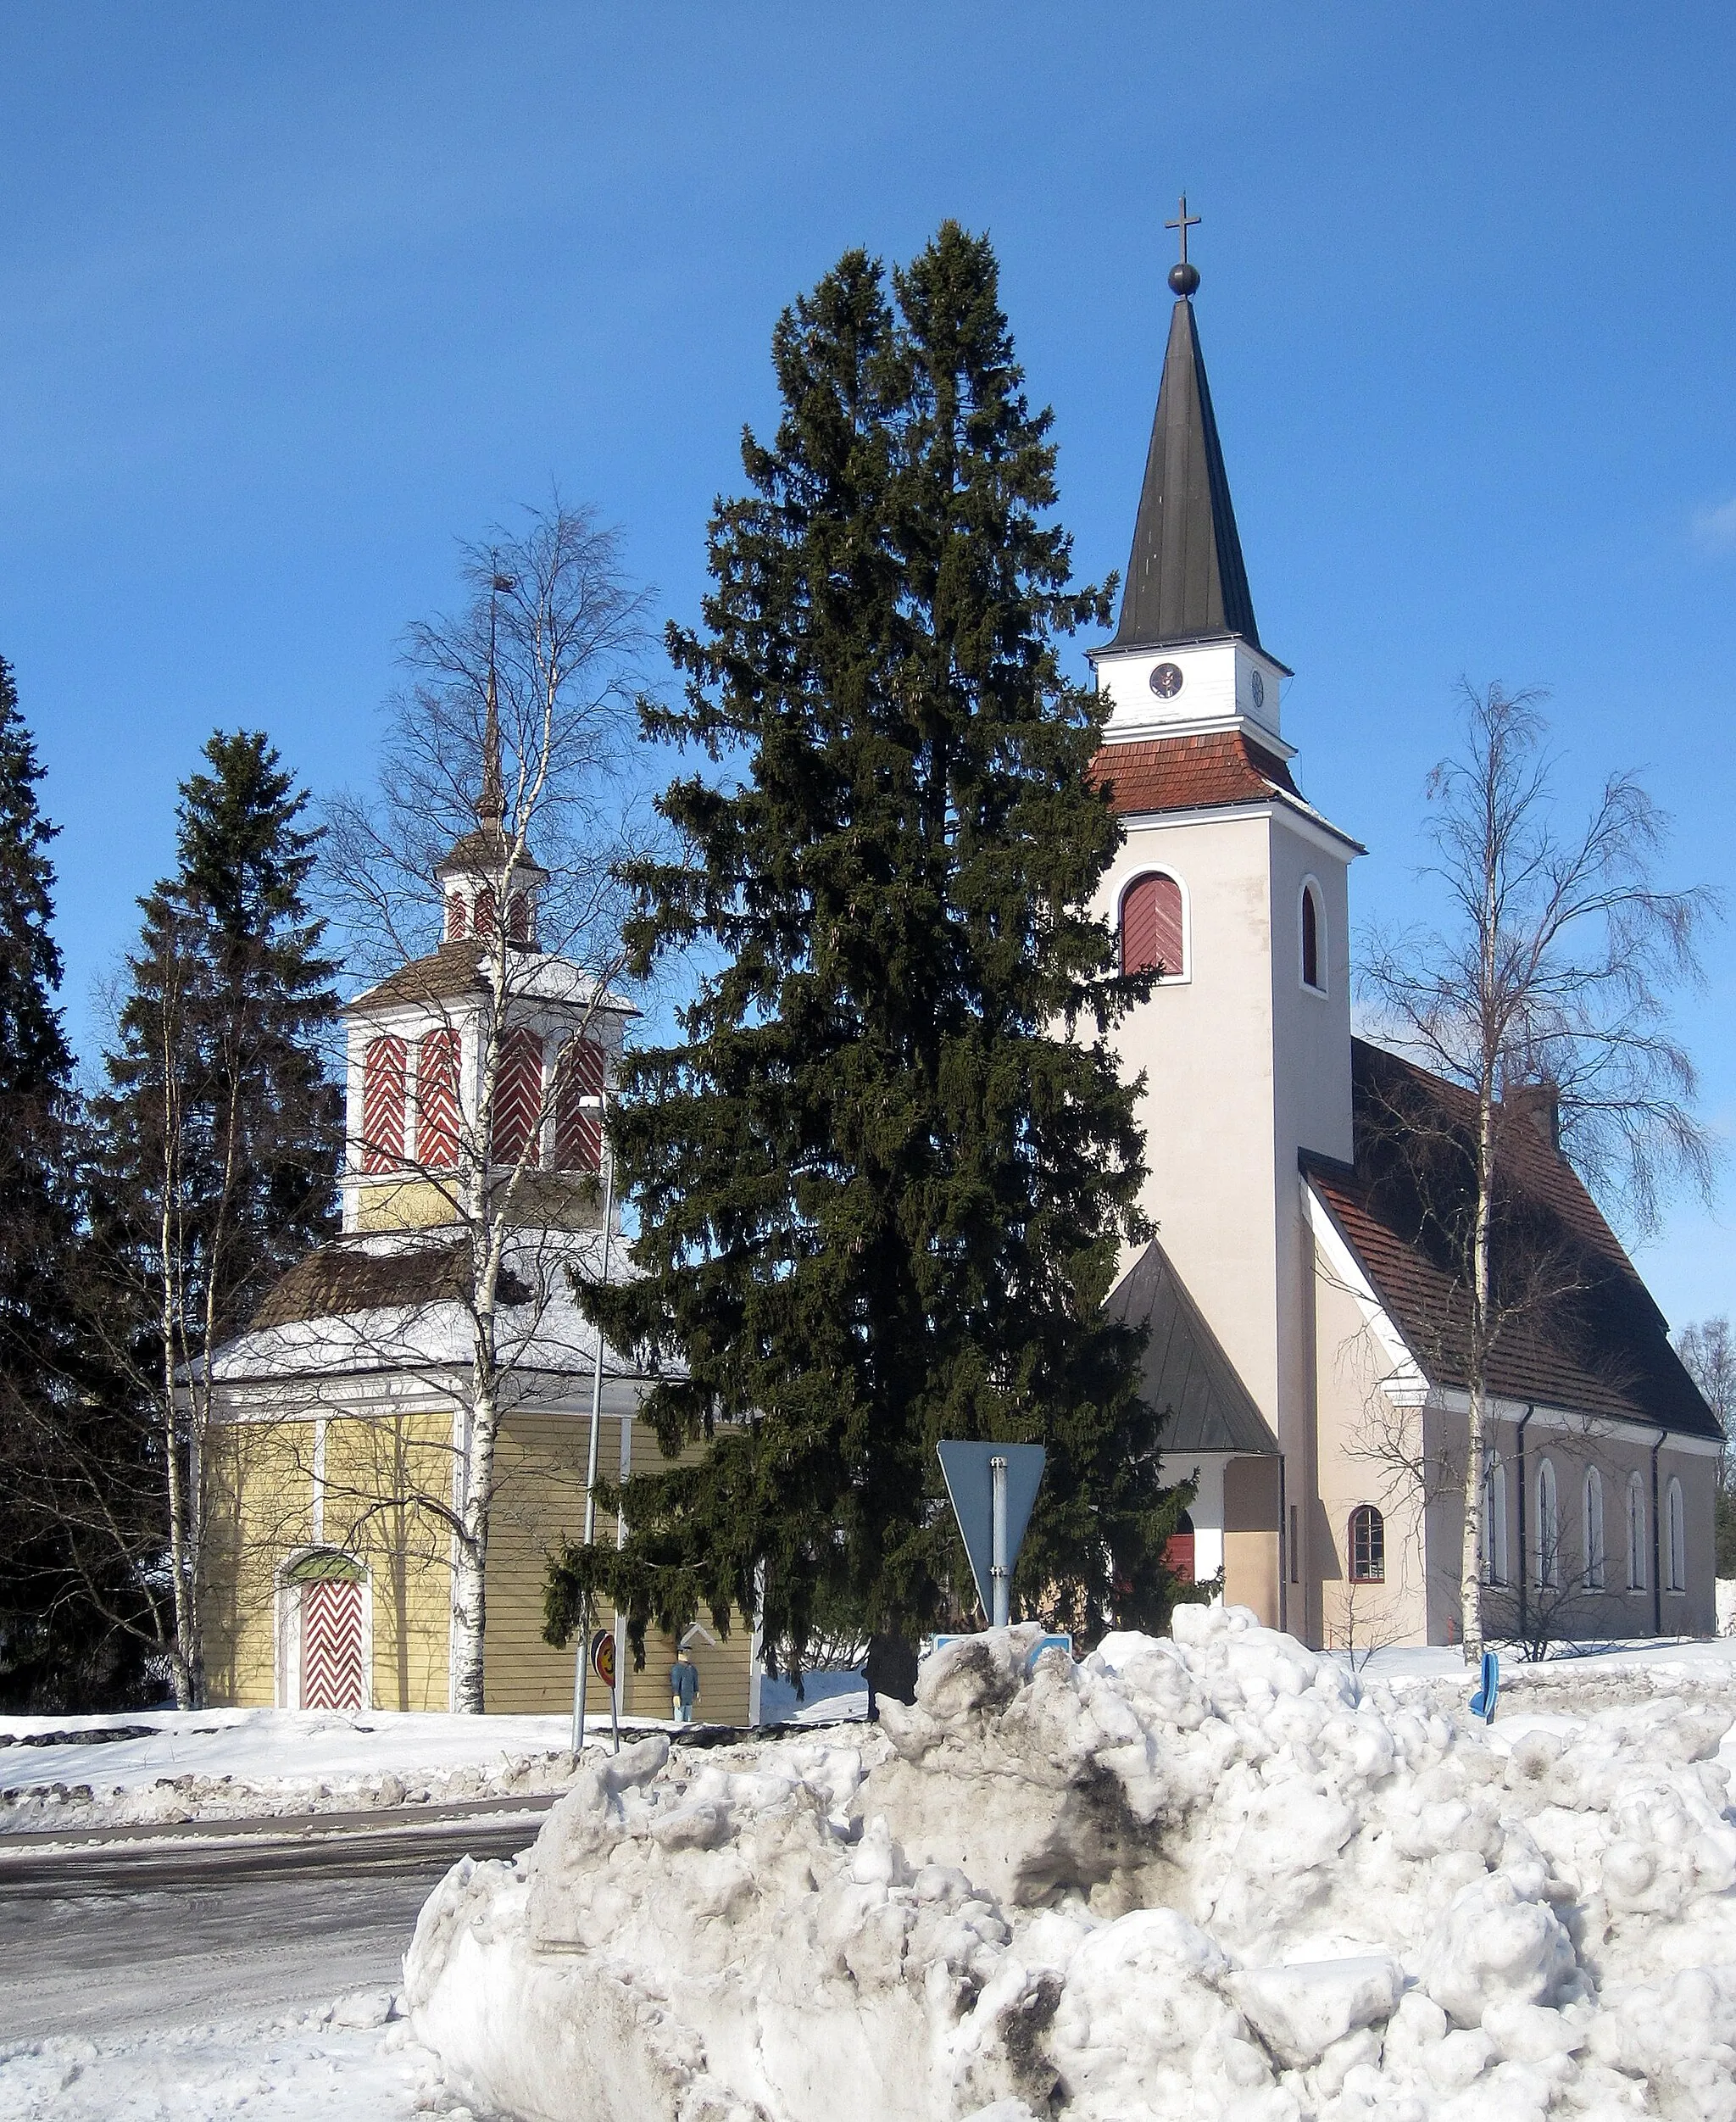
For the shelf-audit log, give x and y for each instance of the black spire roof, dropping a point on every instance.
(1186, 580)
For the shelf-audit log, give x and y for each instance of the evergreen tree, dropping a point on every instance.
(882, 1188)
(216, 1144)
(55, 1646)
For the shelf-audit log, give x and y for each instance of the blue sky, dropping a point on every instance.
(289, 304)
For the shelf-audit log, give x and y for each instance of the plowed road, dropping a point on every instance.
(114, 1938)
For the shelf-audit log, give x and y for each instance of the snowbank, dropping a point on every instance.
(261, 1763)
(1200, 1878)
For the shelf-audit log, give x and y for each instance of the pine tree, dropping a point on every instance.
(217, 1141)
(882, 1188)
(55, 1644)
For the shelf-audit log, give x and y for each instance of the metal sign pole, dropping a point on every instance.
(999, 1573)
(583, 1660)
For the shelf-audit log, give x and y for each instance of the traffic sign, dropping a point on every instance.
(603, 1657)
(992, 1488)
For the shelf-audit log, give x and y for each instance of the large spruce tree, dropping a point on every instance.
(884, 1180)
(215, 1145)
(57, 1646)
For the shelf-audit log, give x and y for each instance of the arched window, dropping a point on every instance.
(436, 1101)
(1153, 927)
(1179, 1551)
(518, 917)
(1636, 1534)
(578, 1107)
(487, 915)
(382, 1103)
(1593, 1530)
(518, 1099)
(1676, 1542)
(1368, 1546)
(454, 917)
(1494, 1523)
(1549, 1529)
(1313, 938)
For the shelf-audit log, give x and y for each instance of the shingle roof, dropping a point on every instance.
(452, 969)
(1186, 579)
(345, 1278)
(486, 849)
(1592, 1341)
(1189, 773)
(1184, 1372)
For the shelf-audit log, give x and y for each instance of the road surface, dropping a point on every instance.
(112, 1939)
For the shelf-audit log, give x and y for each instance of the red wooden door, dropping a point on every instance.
(332, 1644)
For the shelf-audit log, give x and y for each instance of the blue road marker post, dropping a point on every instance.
(992, 1488)
(1483, 1702)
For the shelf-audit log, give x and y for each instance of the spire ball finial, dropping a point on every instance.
(1184, 278)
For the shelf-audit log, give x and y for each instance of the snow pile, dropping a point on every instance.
(63, 1775)
(1200, 1878)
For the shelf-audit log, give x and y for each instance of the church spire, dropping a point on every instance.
(1186, 580)
(491, 808)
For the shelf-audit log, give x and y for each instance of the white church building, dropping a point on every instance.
(1306, 1339)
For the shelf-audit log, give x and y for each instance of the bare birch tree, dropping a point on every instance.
(479, 886)
(1551, 973)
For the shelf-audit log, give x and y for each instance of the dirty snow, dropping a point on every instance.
(1219, 1876)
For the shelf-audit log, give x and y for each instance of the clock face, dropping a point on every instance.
(1259, 690)
(1166, 681)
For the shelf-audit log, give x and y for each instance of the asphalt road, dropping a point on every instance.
(109, 1939)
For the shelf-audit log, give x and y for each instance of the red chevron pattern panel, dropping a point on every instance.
(578, 1111)
(1151, 927)
(487, 917)
(436, 1101)
(454, 917)
(518, 1098)
(518, 918)
(331, 1645)
(382, 1104)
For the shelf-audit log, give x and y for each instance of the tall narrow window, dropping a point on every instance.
(382, 1103)
(454, 917)
(436, 1101)
(1368, 1546)
(1675, 1545)
(1594, 1530)
(488, 915)
(518, 1099)
(1313, 953)
(518, 917)
(1153, 937)
(1494, 1523)
(1636, 1534)
(1549, 1529)
(1179, 1551)
(578, 1107)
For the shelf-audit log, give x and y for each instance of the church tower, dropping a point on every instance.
(1234, 888)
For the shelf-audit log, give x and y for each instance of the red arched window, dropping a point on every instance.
(486, 915)
(578, 1107)
(1368, 1546)
(1151, 927)
(1312, 974)
(436, 1101)
(1179, 1551)
(454, 917)
(518, 918)
(518, 1099)
(382, 1103)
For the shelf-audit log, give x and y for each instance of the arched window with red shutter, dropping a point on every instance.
(436, 1101)
(382, 1103)
(578, 1107)
(518, 917)
(518, 1099)
(486, 915)
(1154, 927)
(454, 917)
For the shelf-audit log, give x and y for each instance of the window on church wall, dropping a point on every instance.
(382, 1103)
(437, 1101)
(578, 1107)
(1178, 1557)
(487, 915)
(454, 917)
(1675, 1539)
(1549, 1529)
(1313, 938)
(1593, 1530)
(518, 917)
(1636, 1534)
(1494, 1523)
(517, 1123)
(1153, 927)
(1368, 1546)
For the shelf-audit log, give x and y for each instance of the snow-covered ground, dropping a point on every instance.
(1218, 1876)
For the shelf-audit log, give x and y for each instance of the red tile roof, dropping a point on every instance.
(1190, 773)
(1589, 1340)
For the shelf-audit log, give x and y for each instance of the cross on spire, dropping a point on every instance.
(1184, 221)
(1184, 273)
